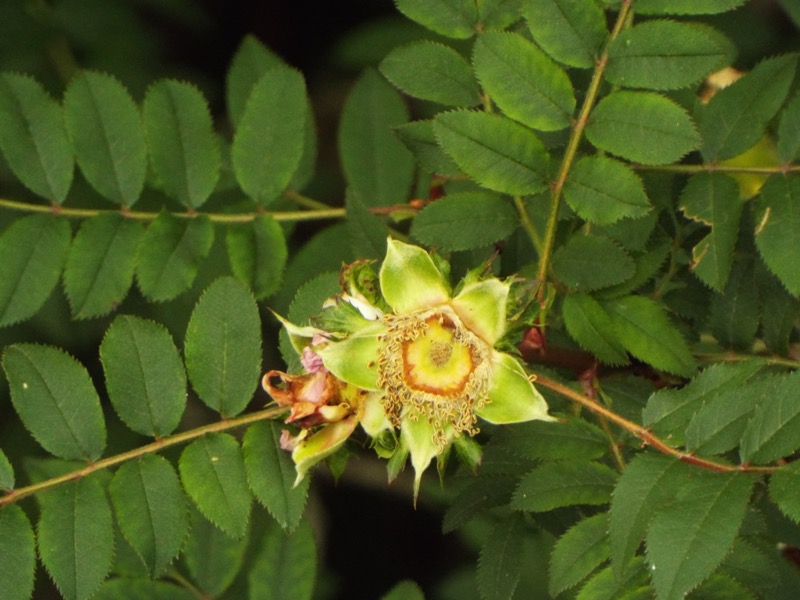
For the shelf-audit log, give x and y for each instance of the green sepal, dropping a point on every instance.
(355, 359)
(481, 306)
(410, 279)
(321, 444)
(512, 397)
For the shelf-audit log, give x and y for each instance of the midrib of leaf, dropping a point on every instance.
(446, 75)
(647, 335)
(713, 242)
(171, 259)
(150, 520)
(498, 154)
(217, 479)
(375, 131)
(572, 26)
(21, 275)
(224, 378)
(184, 144)
(600, 192)
(76, 569)
(109, 145)
(29, 128)
(646, 128)
(146, 380)
(101, 266)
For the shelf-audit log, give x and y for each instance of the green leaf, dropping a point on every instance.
(734, 313)
(212, 557)
(542, 440)
(405, 590)
(419, 138)
(603, 191)
(432, 71)
(465, 220)
(126, 588)
(722, 585)
(271, 474)
(17, 554)
(646, 332)
(170, 254)
(451, 18)
(737, 116)
(773, 431)
(55, 398)
(33, 137)
(377, 167)
(151, 510)
(579, 552)
(685, 7)
(564, 483)
(268, 143)
(106, 130)
(606, 586)
(788, 147)
(523, 81)
(590, 262)
(500, 563)
(257, 252)
(144, 375)
(484, 493)
(688, 540)
(212, 471)
(285, 567)
(495, 151)
(592, 328)
(183, 147)
(33, 251)
(367, 232)
(784, 490)
(666, 55)
(713, 199)
(777, 239)
(76, 537)
(251, 61)
(223, 347)
(571, 31)
(626, 123)
(779, 312)
(6, 473)
(100, 264)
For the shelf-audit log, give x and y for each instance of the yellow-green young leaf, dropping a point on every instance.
(592, 328)
(784, 490)
(713, 199)
(451, 18)
(17, 554)
(465, 220)
(685, 7)
(590, 262)
(627, 123)
(170, 253)
(666, 55)
(212, 557)
(773, 431)
(144, 375)
(367, 232)
(212, 471)
(500, 563)
(419, 138)
(251, 61)
(777, 240)
(286, 566)
(106, 130)
(788, 146)
(687, 540)
(523, 81)
(579, 552)
(127, 588)
(223, 347)
(432, 71)
(645, 331)
(33, 251)
(151, 510)
(377, 167)
(482, 494)
(734, 314)
(405, 590)
(571, 31)
(564, 483)
(183, 147)
(76, 537)
(100, 264)
(268, 143)
(542, 440)
(33, 137)
(6, 473)
(271, 474)
(737, 116)
(603, 191)
(55, 398)
(257, 252)
(495, 151)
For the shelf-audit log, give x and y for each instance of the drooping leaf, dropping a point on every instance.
(451, 18)
(571, 31)
(405, 590)
(523, 81)
(126, 588)
(170, 254)
(485, 493)
(564, 483)
(106, 130)
(251, 61)
(501, 559)
(257, 252)
(286, 566)
(144, 374)
(590, 262)
(777, 239)
(33, 251)
(100, 264)
(465, 220)
(151, 510)
(419, 138)
(180, 134)
(734, 313)
(542, 440)
(377, 167)
(212, 471)
(55, 398)
(685, 7)
(788, 146)
(223, 347)
(784, 490)
(773, 431)
(268, 143)
(688, 540)
(271, 475)
(17, 554)
(76, 537)
(626, 123)
(367, 232)
(432, 71)
(33, 137)
(737, 116)
(592, 328)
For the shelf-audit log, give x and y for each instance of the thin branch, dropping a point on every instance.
(712, 168)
